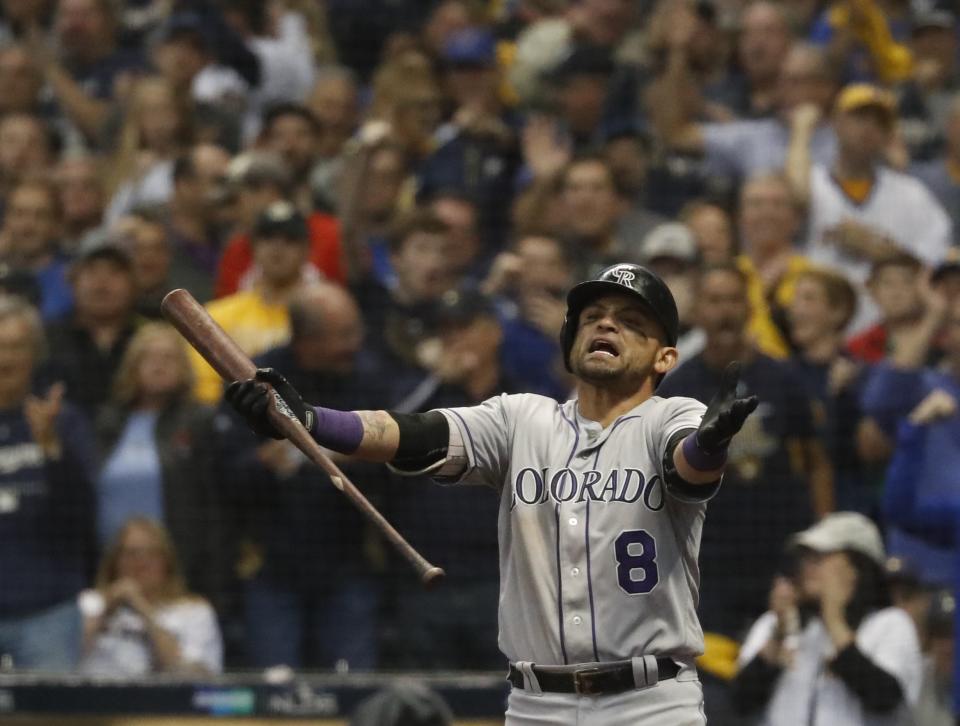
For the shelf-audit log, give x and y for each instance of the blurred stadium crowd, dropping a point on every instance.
(387, 202)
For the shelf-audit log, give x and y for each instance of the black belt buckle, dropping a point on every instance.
(586, 681)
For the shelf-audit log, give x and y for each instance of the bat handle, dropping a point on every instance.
(296, 434)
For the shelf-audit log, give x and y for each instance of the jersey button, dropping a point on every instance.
(577, 620)
(572, 521)
(575, 571)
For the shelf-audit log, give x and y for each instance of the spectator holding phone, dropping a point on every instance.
(140, 618)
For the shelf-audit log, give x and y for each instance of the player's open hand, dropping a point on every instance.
(725, 414)
(251, 399)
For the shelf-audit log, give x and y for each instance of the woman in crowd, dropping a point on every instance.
(158, 455)
(141, 618)
(831, 650)
(157, 127)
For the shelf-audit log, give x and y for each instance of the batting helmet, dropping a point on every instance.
(646, 285)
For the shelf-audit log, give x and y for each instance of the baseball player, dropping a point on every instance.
(602, 502)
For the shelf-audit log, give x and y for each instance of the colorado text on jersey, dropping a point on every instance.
(538, 486)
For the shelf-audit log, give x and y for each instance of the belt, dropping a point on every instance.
(592, 680)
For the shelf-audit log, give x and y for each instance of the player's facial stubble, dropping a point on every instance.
(619, 323)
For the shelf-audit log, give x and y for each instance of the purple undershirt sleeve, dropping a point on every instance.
(340, 431)
(699, 459)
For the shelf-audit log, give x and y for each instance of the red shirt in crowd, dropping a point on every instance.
(869, 346)
(325, 255)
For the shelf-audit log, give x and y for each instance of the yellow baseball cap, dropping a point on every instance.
(864, 95)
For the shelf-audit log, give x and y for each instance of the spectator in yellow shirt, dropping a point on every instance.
(257, 319)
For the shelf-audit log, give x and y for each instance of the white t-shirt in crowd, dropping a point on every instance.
(899, 206)
(808, 694)
(122, 649)
(152, 188)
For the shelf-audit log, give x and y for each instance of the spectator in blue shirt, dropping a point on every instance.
(922, 493)
(899, 383)
(46, 511)
(30, 228)
(896, 389)
(159, 457)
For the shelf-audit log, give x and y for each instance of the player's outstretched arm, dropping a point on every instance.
(701, 456)
(369, 435)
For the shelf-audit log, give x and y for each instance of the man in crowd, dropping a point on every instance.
(456, 528)
(310, 596)
(82, 197)
(461, 215)
(763, 44)
(861, 210)
(421, 256)
(198, 178)
(90, 66)
(738, 149)
(476, 151)
(292, 132)
(21, 81)
(89, 343)
(334, 103)
(257, 319)
(529, 283)
(145, 237)
(591, 211)
(29, 241)
(940, 173)
(925, 100)
(27, 148)
(670, 250)
(770, 220)
(46, 504)
(898, 388)
(257, 180)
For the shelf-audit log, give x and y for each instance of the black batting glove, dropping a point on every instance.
(725, 414)
(251, 399)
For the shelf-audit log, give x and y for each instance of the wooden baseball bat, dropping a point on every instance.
(224, 355)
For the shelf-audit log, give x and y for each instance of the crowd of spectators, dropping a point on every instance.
(387, 202)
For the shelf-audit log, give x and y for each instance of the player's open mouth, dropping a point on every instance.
(605, 347)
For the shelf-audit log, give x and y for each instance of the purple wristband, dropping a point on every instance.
(699, 459)
(340, 431)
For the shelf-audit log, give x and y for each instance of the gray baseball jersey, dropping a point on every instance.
(598, 558)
